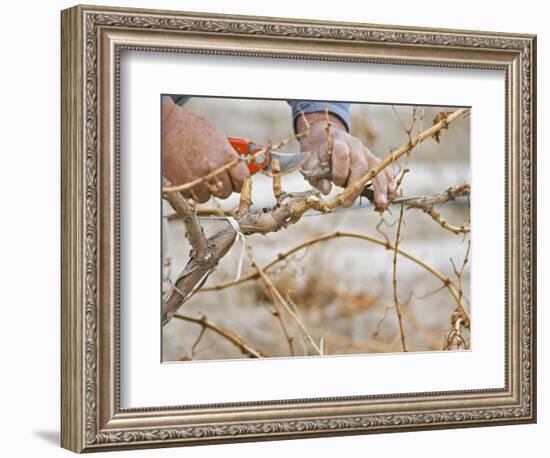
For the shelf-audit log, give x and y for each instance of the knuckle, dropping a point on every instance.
(361, 168)
(240, 172)
(338, 178)
(359, 156)
(340, 151)
(315, 182)
(337, 134)
(201, 198)
(237, 185)
(224, 191)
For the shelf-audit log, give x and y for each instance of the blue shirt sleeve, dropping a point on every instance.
(179, 99)
(339, 109)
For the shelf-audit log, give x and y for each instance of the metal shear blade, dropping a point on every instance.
(287, 161)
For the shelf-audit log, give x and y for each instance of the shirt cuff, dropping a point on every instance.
(179, 99)
(339, 109)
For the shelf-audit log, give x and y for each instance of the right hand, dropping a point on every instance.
(351, 160)
(192, 147)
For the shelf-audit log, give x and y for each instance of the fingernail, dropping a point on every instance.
(325, 186)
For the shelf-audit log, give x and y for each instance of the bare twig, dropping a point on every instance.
(444, 279)
(228, 335)
(376, 332)
(394, 282)
(330, 140)
(378, 227)
(245, 200)
(279, 297)
(348, 342)
(277, 313)
(399, 180)
(426, 204)
(197, 340)
(454, 336)
(191, 184)
(460, 273)
(458, 319)
(408, 130)
(429, 293)
(205, 211)
(278, 193)
(276, 174)
(440, 198)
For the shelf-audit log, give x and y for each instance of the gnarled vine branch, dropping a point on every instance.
(426, 204)
(204, 257)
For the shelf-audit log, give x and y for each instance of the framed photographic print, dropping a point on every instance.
(278, 228)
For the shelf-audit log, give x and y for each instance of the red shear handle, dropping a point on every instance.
(245, 148)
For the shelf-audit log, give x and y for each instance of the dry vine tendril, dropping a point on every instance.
(207, 252)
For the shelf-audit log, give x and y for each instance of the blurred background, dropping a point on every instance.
(342, 287)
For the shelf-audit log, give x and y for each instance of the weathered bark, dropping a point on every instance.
(427, 204)
(204, 257)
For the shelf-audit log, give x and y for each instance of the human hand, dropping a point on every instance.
(192, 147)
(350, 158)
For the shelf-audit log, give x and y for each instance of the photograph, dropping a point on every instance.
(307, 228)
(276, 228)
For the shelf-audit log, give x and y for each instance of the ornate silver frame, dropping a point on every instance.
(92, 40)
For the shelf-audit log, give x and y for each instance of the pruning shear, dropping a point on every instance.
(259, 158)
